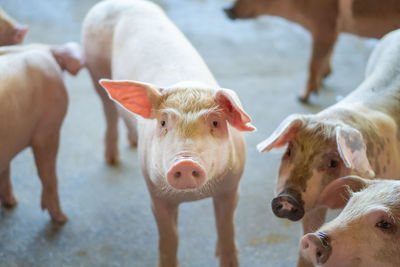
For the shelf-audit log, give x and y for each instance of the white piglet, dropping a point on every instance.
(188, 130)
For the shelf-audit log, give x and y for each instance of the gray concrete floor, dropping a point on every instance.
(110, 222)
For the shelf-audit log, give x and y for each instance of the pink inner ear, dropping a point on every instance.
(237, 117)
(130, 95)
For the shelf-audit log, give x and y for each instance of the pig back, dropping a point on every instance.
(31, 92)
(148, 47)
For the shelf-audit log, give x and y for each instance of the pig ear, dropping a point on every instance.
(237, 117)
(138, 98)
(20, 32)
(337, 193)
(353, 150)
(69, 56)
(283, 134)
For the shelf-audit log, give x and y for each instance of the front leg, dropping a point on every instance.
(7, 197)
(224, 207)
(319, 67)
(312, 221)
(166, 215)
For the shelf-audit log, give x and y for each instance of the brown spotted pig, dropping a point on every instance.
(359, 135)
(33, 103)
(367, 231)
(325, 20)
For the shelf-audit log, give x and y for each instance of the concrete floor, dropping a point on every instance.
(110, 222)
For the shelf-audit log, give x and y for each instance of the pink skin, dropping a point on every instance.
(365, 233)
(40, 111)
(186, 174)
(10, 31)
(20, 33)
(190, 127)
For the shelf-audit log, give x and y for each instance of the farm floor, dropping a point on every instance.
(110, 221)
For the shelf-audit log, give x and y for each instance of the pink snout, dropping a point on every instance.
(315, 247)
(186, 174)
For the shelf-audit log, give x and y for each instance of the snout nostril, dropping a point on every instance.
(319, 254)
(195, 174)
(294, 210)
(177, 174)
(279, 207)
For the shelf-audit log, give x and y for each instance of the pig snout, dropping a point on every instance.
(287, 206)
(230, 13)
(315, 247)
(186, 174)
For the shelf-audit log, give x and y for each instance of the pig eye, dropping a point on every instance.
(333, 163)
(162, 123)
(215, 123)
(384, 225)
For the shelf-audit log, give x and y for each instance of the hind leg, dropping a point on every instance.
(45, 152)
(7, 197)
(111, 114)
(130, 122)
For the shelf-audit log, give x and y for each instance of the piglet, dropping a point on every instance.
(358, 135)
(325, 20)
(189, 130)
(33, 103)
(367, 231)
(11, 32)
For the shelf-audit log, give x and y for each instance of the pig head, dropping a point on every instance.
(366, 233)
(10, 31)
(243, 9)
(318, 152)
(190, 140)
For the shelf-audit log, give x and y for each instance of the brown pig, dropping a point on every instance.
(325, 20)
(190, 141)
(367, 231)
(33, 103)
(359, 135)
(11, 32)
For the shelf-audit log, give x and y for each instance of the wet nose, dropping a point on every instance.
(230, 13)
(315, 247)
(186, 174)
(286, 206)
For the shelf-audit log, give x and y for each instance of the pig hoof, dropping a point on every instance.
(60, 218)
(132, 141)
(9, 202)
(112, 159)
(303, 99)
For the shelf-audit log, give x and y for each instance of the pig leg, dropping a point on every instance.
(319, 65)
(7, 197)
(130, 122)
(45, 152)
(312, 221)
(111, 114)
(224, 207)
(166, 215)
